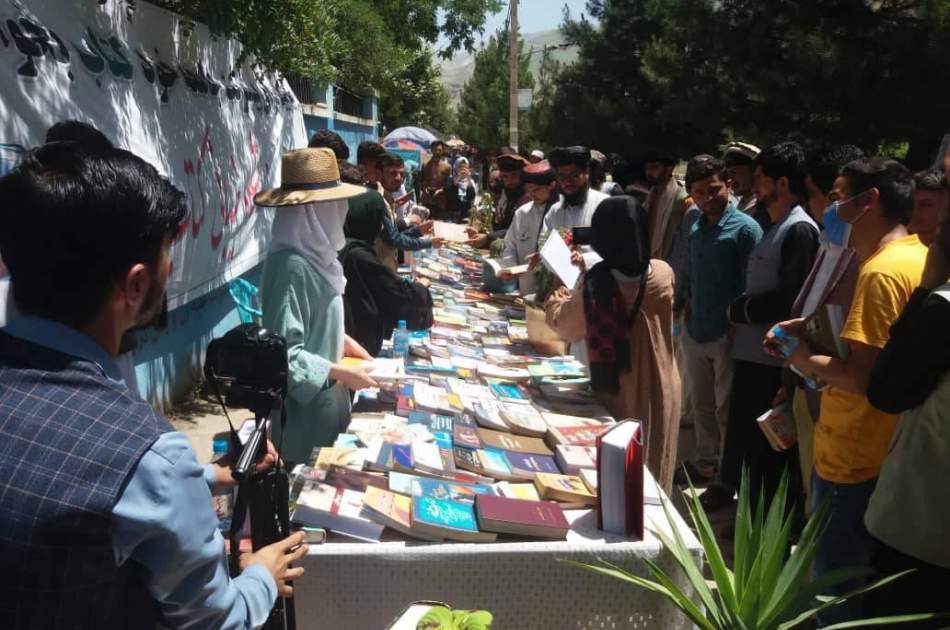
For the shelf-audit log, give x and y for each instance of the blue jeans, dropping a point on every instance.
(845, 542)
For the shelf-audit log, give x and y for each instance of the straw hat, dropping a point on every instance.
(308, 176)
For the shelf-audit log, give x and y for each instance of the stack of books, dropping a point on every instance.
(483, 437)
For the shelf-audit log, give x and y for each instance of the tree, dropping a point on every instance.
(483, 110)
(688, 75)
(382, 44)
(417, 97)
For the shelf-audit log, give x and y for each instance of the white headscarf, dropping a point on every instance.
(315, 231)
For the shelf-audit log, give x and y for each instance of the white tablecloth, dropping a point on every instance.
(363, 586)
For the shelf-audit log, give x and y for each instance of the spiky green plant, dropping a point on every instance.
(441, 618)
(769, 587)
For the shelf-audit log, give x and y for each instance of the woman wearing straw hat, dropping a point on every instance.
(302, 299)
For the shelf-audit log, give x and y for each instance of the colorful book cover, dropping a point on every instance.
(444, 439)
(529, 464)
(466, 436)
(494, 462)
(466, 458)
(466, 419)
(444, 514)
(394, 508)
(507, 391)
(448, 490)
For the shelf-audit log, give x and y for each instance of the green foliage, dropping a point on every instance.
(383, 44)
(689, 74)
(483, 111)
(440, 618)
(768, 587)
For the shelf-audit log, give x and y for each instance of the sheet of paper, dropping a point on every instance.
(452, 232)
(557, 257)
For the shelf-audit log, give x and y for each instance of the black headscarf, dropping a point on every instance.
(619, 235)
(364, 220)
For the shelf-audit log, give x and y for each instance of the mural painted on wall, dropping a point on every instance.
(163, 88)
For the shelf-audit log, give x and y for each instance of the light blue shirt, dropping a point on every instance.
(163, 519)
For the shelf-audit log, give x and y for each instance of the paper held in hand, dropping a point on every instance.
(556, 256)
(515, 270)
(452, 232)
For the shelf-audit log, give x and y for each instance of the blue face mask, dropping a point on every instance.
(837, 231)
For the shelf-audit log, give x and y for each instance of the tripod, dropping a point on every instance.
(265, 498)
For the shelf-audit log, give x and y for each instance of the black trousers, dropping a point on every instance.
(753, 388)
(923, 591)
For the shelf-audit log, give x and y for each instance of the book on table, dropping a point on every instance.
(452, 520)
(392, 510)
(352, 458)
(536, 519)
(585, 435)
(511, 442)
(620, 480)
(567, 488)
(524, 419)
(526, 465)
(572, 459)
(589, 475)
(336, 509)
(450, 490)
(522, 491)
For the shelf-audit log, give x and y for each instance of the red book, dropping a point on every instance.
(539, 519)
(620, 480)
(585, 435)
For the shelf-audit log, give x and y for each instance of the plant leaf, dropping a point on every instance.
(717, 565)
(437, 618)
(882, 621)
(741, 543)
(840, 598)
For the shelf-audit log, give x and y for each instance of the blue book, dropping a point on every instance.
(444, 439)
(448, 490)
(494, 462)
(507, 391)
(402, 457)
(525, 465)
(453, 520)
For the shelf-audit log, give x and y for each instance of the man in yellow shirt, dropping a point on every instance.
(852, 437)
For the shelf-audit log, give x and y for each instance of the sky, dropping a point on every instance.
(534, 15)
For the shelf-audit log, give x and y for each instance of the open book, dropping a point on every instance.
(514, 270)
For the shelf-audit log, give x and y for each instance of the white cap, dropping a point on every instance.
(538, 153)
(744, 149)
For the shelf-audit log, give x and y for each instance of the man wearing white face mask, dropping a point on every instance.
(302, 299)
(831, 281)
(852, 437)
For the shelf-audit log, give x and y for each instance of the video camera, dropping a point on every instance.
(247, 368)
(249, 364)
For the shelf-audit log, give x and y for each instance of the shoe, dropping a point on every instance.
(690, 472)
(717, 497)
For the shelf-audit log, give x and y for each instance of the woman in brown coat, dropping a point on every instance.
(623, 308)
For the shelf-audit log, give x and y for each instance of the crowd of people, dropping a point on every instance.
(693, 307)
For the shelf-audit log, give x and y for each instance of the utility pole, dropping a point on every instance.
(513, 64)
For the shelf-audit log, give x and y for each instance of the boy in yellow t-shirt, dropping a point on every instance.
(851, 437)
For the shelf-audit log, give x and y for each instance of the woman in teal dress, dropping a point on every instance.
(301, 297)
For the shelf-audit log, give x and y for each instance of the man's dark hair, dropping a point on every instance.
(350, 173)
(656, 156)
(77, 131)
(576, 155)
(330, 140)
(387, 160)
(931, 180)
(435, 143)
(75, 221)
(702, 166)
(785, 159)
(892, 180)
(824, 164)
(369, 151)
